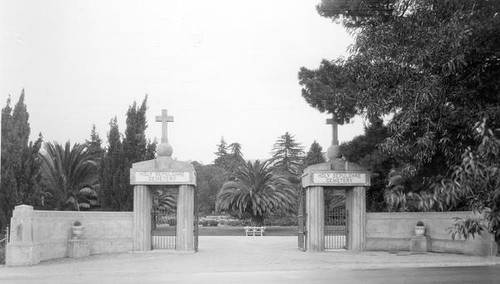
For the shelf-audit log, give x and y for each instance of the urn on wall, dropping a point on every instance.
(77, 229)
(420, 228)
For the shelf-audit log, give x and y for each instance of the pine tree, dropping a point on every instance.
(94, 145)
(314, 155)
(20, 166)
(287, 156)
(221, 153)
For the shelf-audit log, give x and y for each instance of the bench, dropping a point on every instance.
(254, 230)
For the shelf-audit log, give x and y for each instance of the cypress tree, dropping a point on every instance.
(20, 166)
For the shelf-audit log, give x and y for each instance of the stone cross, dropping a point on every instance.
(333, 122)
(164, 119)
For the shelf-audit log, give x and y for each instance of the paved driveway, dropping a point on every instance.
(228, 259)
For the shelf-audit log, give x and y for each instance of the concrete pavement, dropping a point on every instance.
(225, 256)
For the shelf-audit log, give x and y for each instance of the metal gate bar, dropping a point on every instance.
(336, 228)
(164, 230)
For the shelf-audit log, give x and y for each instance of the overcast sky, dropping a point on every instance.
(221, 68)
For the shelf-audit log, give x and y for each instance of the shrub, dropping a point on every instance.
(172, 222)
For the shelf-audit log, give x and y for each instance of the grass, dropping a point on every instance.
(238, 231)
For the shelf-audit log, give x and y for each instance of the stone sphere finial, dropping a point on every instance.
(333, 152)
(164, 150)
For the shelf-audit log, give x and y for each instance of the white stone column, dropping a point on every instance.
(356, 206)
(185, 218)
(315, 224)
(142, 218)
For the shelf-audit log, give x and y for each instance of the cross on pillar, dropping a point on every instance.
(333, 122)
(164, 119)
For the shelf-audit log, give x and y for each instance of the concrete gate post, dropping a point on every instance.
(356, 206)
(315, 214)
(185, 219)
(142, 218)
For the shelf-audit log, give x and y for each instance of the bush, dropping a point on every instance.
(172, 222)
(208, 223)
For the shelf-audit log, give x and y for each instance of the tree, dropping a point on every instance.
(477, 181)
(433, 94)
(364, 150)
(114, 182)
(256, 191)
(135, 145)
(287, 156)
(221, 154)
(209, 179)
(68, 174)
(314, 155)
(94, 145)
(121, 154)
(20, 165)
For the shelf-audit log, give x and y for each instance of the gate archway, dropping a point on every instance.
(166, 172)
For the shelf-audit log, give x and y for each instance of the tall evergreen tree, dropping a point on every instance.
(221, 154)
(121, 154)
(314, 155)
(287, 156)
(94, 145)
(114, 183)
(20, 165)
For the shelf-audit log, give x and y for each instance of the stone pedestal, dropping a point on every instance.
(78, 248)
(420, 244)
(185, 219)
(315, 224)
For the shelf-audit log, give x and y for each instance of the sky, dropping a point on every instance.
(222, 68)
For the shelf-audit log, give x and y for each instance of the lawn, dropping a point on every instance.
(238, 231)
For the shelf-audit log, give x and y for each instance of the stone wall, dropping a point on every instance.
(42, 235)
(393, 231)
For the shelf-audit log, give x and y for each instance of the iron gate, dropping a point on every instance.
(164, 218)
(164, 229)
(336, 218)
(301, 221)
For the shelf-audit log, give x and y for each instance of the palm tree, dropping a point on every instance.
(69, 174)
(256, 191)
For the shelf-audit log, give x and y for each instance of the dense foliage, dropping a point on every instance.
(287, 157)
(314, 155)
(20, 164)
(257, 191)
(116, 192)
(69, 174)
(432, 68)
(431, 65)
(364, 151)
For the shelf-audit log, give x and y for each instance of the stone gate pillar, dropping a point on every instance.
(315, 216)
(142, 218)
(185, 219)
(356, 205)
